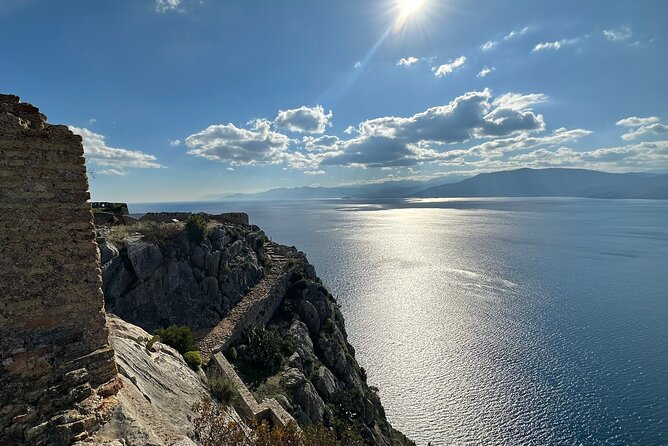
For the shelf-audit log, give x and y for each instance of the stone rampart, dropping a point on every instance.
(57, 370)
(238, 218)
(165, 217)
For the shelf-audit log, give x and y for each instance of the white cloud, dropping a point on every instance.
(236, 146)
(639, 127)
(321, 144)
(485, 71)
(98, 153)
(448, 68)
(175, 142)
(651, 129)
(515, 33)
(396, 141)
(407, 61)
(489, 45)
(304, 119)
(518, 101)
(640, 156)
(166, 5)
(635, 121)
(358, 64)
(92, 121)
(620, 34)
(314, 172)
(111, 172)
(555, 45)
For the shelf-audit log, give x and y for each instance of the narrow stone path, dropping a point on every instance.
(219, 335)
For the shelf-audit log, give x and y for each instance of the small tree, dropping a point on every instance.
(197, 228)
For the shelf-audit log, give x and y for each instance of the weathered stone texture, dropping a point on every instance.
(57, 370)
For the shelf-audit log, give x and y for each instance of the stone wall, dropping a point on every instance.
(57, 370)
(238, 218)
(166, 217)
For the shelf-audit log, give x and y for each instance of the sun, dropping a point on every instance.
(407, 9)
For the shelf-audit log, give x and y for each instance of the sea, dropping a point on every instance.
(495, 321)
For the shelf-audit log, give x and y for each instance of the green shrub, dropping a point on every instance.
(266, 349)
(232, 354)
(193, 359)
(153, 340)
(197, 228)
(179, 337)
(223, 389)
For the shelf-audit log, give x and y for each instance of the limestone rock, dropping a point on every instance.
(302, 392)
(326, 383)
(160, 389)
(107, 252)
(145, 258)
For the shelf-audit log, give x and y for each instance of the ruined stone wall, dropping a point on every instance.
(166, 217)
(57, 371)
(238, 218)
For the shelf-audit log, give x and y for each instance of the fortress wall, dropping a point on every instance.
(57, 370)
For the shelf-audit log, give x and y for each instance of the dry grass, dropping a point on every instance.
(151, 231)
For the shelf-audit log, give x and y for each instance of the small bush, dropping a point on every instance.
(197, 228)
(223, 389)
(193, 359)
(179, 337)
(266, 349)
(232, 354)
(153, 340)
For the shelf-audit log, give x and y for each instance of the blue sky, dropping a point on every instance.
(189, 99)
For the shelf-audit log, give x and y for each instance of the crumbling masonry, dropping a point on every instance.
(57, 372)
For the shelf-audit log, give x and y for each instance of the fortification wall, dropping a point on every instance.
(57, 370)
(166, 217)
(238, 218)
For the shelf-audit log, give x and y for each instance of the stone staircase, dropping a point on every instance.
(258, 299)
(256, 307)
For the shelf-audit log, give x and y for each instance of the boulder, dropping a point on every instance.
(145, 258)
(326, 383)
(235, 249)
(198, 257)
(309, 314)
(302, 392)
(107, 252)
(304, 344)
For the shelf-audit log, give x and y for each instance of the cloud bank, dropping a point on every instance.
(97, 152)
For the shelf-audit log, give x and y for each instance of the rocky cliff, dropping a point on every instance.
(154, 275)
(295, 350)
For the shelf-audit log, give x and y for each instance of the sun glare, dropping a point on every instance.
(409, 7)
(406, 9)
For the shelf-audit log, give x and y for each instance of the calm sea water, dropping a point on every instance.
(497, 321)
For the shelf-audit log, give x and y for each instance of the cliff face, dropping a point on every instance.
(314, 374)
(162, 277)
(320, 380)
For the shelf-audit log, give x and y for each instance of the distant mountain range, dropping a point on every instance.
(387, 189)
(553, 182)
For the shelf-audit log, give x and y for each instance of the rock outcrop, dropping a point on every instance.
(163, 278)
(159, 391)
(57, 372)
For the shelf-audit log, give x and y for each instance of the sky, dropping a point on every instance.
(181, 100)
